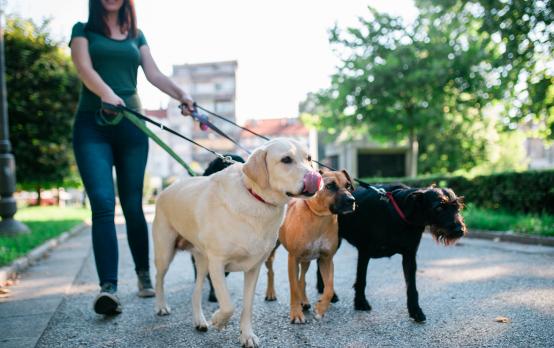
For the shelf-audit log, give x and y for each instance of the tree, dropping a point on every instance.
(518, 44)
(42, 93)
(401, 82)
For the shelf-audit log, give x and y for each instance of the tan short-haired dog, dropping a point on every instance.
(310, 232)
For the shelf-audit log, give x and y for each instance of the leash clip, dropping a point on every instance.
(228, 159)
(382, 193)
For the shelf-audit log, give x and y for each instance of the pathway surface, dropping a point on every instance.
(462, 290)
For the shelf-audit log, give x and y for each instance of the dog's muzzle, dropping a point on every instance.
(312, 182)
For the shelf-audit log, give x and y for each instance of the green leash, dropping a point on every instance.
(142, 126)
(121, 112)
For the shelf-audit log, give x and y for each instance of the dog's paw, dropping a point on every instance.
(162, 309)
(418, 315)
(297, 317)
(220, 319)
(335, 298)
(320, 309)
(201, 325)
(270, 298)
(361, 305)
(249, 340)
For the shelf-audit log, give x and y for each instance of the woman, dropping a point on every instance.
(107, 51)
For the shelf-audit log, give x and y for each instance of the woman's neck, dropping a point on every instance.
(111, 21)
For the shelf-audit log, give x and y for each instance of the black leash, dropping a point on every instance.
(160, 125)
(362, 183)
(203, 120)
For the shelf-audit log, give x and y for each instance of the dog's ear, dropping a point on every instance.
(255, 168)
(347, 176)
(349, 180)
(416, 195)
(323, 170)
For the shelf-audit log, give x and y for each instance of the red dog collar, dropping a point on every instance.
(259, 198)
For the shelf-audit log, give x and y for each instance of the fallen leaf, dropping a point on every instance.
(503, 320)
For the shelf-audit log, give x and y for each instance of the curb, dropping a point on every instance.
(10, 271)
(511, 237)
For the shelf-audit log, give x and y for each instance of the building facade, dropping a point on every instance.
(213, 86)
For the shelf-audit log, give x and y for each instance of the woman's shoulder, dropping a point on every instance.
(78, 29)
(141, 39)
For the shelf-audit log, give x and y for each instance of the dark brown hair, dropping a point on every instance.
(126, 18)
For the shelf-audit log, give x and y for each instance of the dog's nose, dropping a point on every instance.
(312, 182)
(459, 231)
(349, 200)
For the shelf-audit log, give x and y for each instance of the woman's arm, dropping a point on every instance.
(164, 83)
(89, 76)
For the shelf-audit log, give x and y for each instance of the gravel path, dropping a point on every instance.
(462, 290)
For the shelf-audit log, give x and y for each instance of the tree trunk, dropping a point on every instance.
(39, 198)
(413, 148)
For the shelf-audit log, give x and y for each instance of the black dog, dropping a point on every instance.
(213, 167)
(390, 219)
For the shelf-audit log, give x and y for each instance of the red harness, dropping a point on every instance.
(397, 208)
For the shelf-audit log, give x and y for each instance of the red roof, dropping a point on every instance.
(275, 127)
(158, 113)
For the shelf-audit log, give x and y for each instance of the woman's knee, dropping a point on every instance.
(102, 205)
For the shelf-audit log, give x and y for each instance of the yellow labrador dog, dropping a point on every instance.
(230, 222)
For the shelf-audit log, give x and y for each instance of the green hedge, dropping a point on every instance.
(527, 192)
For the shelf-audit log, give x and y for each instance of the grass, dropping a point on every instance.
(486, 219)
(45, 223)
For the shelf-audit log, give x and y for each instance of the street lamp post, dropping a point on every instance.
(8, 206)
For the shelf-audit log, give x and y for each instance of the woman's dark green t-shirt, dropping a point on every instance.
(116, 61)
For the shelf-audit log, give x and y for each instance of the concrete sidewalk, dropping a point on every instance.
(462, 290)
(30, 304)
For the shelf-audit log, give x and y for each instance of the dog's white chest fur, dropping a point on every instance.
(315, 248)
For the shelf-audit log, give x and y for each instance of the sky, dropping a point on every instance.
(282, 47)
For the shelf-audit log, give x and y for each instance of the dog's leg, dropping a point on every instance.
(226, 308)
(302, 285)
(270, 291)
(247, 336)
(211, 296)
(360, 302)
(327, 271)
(296, 315)
(409, 266)
(335, 298)
(201, 267)
(319, 279)
(164, 251)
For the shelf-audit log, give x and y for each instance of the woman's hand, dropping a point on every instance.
(187, 104)
(113, 99)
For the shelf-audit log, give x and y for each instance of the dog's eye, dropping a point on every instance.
(348, 187)
(309, 158)
(331, 186)
(286, 160)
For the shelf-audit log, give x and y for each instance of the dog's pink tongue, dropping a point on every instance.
(312, 181)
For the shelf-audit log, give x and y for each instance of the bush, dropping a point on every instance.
(526, 192)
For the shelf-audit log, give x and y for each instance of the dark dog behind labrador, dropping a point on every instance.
(391, 222)
(213, 167)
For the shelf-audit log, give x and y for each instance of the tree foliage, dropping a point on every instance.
(401, 82)
(42, 90)
(518, 44)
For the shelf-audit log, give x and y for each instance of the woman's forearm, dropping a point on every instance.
(166, 85)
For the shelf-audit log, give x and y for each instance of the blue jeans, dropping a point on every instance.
(97, 150)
